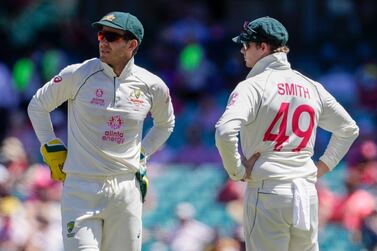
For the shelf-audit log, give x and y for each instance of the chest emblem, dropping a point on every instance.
(115, 122)
(99, 93)
(137, 97)
(115, 134)
(98, 100)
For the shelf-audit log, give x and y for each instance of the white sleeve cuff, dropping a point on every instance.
(238, 174)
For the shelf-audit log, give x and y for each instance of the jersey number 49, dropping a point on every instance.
(281, 136)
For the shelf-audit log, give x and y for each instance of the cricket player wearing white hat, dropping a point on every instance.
(108, 99)
(276, 111)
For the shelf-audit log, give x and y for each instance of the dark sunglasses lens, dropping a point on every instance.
(110, 36)
(100, 36)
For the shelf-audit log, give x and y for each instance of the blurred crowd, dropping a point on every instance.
(188, 44)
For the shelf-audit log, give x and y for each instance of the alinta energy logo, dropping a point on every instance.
(98, 100)
(114, 135)
(99, 93)
(115, 122)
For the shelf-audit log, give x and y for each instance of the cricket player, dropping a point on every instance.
(108, 99)
(276, 111)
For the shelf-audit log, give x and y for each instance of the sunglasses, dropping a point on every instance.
(246, 27)
(109, 36)
(245, 45)
(248, 34)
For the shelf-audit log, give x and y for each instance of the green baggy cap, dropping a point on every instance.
(264, 29)
(123, 21)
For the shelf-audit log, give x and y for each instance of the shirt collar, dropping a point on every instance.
(275, 61)
(125, 72)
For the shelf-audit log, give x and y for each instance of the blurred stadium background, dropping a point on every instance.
(188, 44)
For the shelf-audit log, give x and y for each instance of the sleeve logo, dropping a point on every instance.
(57, 79)
(233, 98)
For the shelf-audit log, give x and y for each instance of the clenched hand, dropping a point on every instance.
(249, 164)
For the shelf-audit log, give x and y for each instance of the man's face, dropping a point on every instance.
(117, 50)
(253, 53)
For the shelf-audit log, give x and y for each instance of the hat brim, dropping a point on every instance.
(101, 23)
(237, 40)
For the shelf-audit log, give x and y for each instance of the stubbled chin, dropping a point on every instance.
(103, 54)
(103, 58)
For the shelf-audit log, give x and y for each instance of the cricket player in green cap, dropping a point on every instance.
(103, 168)
(276, 111)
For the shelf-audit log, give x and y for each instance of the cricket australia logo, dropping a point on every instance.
(114, 135)
(109, 17)
(136, 97)
(70, 226)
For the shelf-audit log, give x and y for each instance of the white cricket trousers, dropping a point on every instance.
(101, 213)
(268, 218)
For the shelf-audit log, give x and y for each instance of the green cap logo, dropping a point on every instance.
(70, 226)
(137, 93)
(109, 17)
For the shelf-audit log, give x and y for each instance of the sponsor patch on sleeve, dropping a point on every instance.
(57, 79)
(233, 98)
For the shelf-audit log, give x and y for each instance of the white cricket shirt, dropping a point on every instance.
(105, 115)
(276, 111)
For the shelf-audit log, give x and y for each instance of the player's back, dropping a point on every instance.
(285, 125)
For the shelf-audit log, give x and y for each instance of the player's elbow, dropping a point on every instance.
(222, 133)
(356, 131)
(353, 131)
(349, 133)
(170, 127)
(166, 125)
(32, 106)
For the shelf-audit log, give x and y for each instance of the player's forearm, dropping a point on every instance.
(155, 138)
(227, 144)
(41, 121)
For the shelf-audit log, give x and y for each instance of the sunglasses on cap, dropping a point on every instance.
(247, 35)
(246, 27)
(245, 45)
(109, 36)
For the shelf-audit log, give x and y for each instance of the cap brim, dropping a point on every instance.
(237, 40)
(101, 23)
